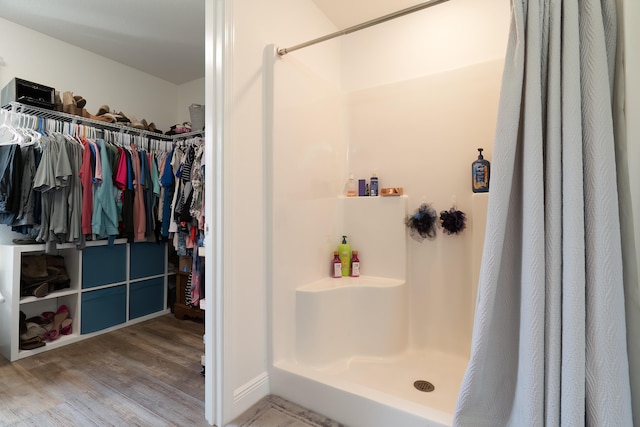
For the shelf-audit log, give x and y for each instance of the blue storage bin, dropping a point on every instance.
(103, 265)
(146, 297)
(103, 308)
(147, 259)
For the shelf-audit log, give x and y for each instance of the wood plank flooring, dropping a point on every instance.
(274, 411)
(146, 374)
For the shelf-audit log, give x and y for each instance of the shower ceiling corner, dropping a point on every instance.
(345, 14)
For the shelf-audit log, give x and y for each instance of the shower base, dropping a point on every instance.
(373, 391)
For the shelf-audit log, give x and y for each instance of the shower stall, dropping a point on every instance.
(390, 347)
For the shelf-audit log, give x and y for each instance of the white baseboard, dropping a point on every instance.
(249, 393)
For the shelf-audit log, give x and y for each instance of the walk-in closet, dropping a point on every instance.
(102, 213)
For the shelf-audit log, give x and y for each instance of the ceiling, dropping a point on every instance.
(345, 14)
(164, 38)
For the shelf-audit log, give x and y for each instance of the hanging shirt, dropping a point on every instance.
(58, 222)
(7, 182)
(75, 235)
(105, 216)
(139, 218)
(86, 179)
(167, 182)
(25, 214)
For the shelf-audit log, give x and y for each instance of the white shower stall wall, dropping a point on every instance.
(418, 128)
(421, 135)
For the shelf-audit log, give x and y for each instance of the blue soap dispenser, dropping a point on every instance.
(480, 169)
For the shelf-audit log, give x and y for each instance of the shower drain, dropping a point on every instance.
(423, 385)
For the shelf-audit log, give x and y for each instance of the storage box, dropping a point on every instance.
(104, 265)
(146, 297)
(103, 308)
(147, 259)
(26, 92)
(185, 264)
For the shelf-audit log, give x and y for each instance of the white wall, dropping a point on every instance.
(309, 157)
(422, 135)
(256, 24)
(451, 35)
(41, 59)
(188, 93)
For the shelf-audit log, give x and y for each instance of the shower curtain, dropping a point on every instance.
(549, 342)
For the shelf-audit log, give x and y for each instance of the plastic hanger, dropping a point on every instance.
(8, 133)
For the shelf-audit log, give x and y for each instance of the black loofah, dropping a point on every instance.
(422, 223)
(453, 221)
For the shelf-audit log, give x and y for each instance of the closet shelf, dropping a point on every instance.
(18, 107)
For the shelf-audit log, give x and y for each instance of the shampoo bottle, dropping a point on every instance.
(480, 169)
(336, 266)
(373, 188)
(344, 250)
(355, 264)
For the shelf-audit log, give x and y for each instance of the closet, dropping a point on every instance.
(114, 278)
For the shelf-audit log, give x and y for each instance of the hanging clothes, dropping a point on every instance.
(8, 180)
(86, 178)
(105, 216)
(167, 181)
(26, 208)
(62, 183)
(139, 217)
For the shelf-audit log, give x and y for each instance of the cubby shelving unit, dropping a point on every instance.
(112, 286)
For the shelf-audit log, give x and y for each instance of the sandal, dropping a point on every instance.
(53, 333)
(65, 326)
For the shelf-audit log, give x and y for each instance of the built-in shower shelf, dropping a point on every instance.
(330, 283)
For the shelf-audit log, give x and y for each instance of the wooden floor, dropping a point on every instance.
(274, 411)
(142, 375)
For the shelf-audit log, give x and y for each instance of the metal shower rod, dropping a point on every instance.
(367, 24)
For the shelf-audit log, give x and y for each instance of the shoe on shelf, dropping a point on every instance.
(54, 332)
(39, 289)
(103, 118)
(40, 320)
(80, 101)
(111, 116)
(31, 344)
(33, 330)
(142, 125)
(65, 326)
(152, 128)
(122, 119)
(103, 110)
(68, 103)
(26, 241)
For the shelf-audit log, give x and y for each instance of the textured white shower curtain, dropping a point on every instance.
(549, 342)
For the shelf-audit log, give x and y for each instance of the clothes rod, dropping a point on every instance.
(376, 21)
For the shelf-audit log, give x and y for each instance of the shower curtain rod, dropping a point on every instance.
(367, 24)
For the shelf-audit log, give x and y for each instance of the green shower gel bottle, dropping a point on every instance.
(344, 250)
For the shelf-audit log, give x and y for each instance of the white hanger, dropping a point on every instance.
(8, 132)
